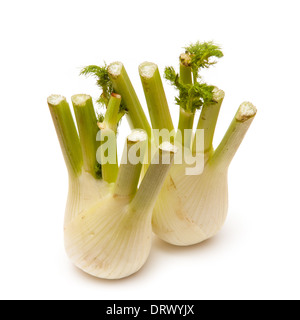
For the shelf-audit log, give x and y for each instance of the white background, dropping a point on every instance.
(43, 46)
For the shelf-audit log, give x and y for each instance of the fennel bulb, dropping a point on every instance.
(108, 231)
(193, 208)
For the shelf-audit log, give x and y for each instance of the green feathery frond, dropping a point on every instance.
(104, 83)
(194, 96)
(191, 96)
(201, 54)
(171, 75)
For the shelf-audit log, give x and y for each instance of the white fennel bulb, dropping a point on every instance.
(108, 231)
(112, 238)
(193, 208)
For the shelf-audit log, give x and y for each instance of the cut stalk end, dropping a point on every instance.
(55, 99)
(147, 69)
(246, 111)
(218, 94)
(185, 59)
(115, 69)
(168, 147)
(115, 95)
(80, 100)
(131, 164)
(137, 136)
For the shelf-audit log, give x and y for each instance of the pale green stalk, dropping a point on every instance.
(185, 127)
(88, 129)
(129, 172)
(67, 134)
(208, 120)
(185, 69)
(234, 135)
(123, 86)
(155, 97)
(154, 179)
(186, 117)
(108, 128)
(112, 115)
(109, 166)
